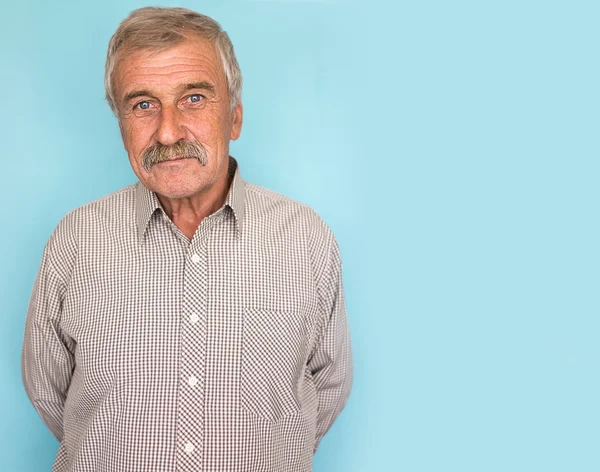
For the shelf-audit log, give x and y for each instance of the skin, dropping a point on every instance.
(179, 93)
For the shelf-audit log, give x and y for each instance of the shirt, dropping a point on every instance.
(145, 351)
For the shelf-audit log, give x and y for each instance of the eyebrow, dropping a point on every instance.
(200, 85)
(135, 94)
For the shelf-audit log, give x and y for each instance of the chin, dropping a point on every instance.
(176, 186)
(181, 180)
(179, 189)
(175, 193)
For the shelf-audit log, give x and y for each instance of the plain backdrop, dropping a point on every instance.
(452, 146)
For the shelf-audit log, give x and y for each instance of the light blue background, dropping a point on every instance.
(452, 147)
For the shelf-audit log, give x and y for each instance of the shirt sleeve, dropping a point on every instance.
(331, 362)
(47, 361)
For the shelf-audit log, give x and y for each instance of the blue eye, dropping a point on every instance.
(143, 105)
(195, 98)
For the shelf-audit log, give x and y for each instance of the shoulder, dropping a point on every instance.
(266, 206)
(275, 217)
(118, 206)
(90, 220)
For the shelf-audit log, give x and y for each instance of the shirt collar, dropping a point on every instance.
(147, 202)
(236, 196)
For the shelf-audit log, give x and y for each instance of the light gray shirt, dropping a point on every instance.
(145, 351)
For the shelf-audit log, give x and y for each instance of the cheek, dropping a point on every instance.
(213, 128)
(135, 139)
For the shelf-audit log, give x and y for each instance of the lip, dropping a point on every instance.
(175, 160)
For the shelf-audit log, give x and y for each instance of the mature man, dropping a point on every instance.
(193, 321)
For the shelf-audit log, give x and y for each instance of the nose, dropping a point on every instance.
(170, 128)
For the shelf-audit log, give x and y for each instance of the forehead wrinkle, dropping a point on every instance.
(181, 74)
(172, 69)
(191, 55)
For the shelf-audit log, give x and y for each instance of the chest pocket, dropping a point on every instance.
(274, 355)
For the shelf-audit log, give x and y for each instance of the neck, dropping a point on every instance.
(187, 213)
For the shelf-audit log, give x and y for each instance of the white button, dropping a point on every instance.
(192, 381)
(189, 447)
(195, 258)
(194, 318)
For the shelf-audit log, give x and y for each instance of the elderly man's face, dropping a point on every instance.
(178, 95)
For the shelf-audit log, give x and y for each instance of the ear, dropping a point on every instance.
(236, 122)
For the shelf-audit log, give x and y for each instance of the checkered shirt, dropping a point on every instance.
(147, 352)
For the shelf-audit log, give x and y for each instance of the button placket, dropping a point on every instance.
(193, 348)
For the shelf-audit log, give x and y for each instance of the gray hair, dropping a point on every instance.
(159, 28)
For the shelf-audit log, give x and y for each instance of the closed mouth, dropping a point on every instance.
(177, 158)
